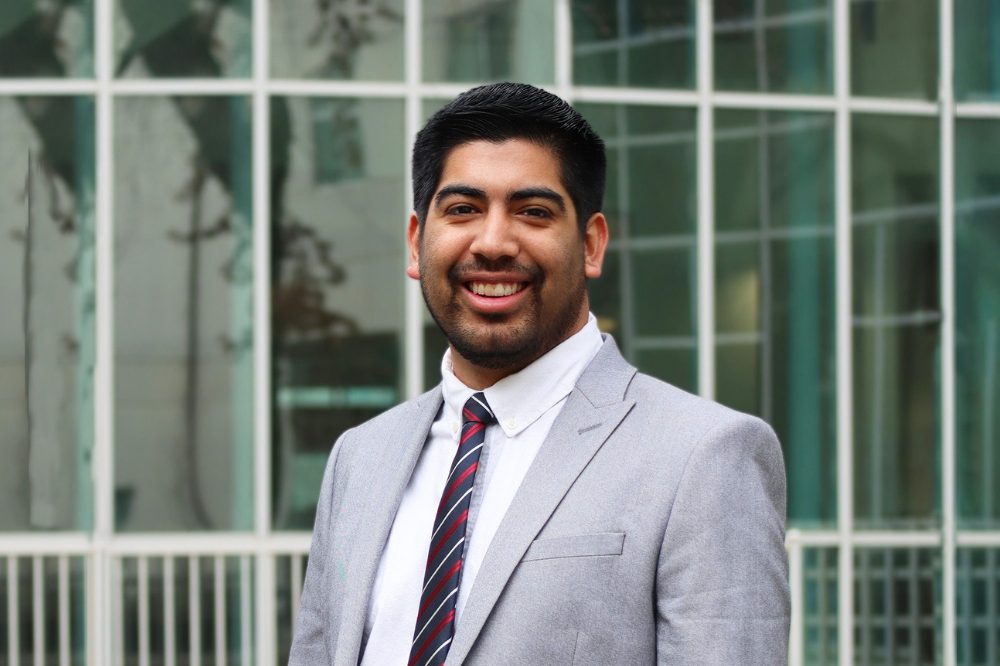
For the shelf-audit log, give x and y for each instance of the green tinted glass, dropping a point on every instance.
(46, 39)
(337, 217)
(977, 581)
(465, 40)
(977, 50)
(774, 300)
(894, 48)
(819, 611)
(183, 329)
(47, 273)
(895, 245)
(977, 312)
(644, 43)
(179, 38)
(325, 40)
(780, 46)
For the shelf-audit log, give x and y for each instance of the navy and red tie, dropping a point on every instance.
(435, 625)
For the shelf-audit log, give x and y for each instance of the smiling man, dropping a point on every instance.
(546, 503)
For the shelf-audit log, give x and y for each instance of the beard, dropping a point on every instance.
(504, 341)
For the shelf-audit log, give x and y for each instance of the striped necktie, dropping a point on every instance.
(435, 625)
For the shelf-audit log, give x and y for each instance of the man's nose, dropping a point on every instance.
(496, 236)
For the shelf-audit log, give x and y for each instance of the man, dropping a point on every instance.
(546, 504)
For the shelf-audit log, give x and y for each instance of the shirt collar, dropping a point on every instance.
(518, 400)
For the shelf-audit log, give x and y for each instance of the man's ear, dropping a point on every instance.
(413, 242)
(595, 242)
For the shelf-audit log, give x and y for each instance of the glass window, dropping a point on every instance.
(977, 311)
(485, 40)
(183, 39)
(47, 329)
(47, 39)
(183, 314)
(643, 43)
(897, 612)
(646, 297)
(819, 612)
(780, 46)
(896, 317)
(336, 40)
(977, 50)
(774, 302)
(338, 220)
(894, 48)
(977, 605)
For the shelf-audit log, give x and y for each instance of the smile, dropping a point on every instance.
(495, 289)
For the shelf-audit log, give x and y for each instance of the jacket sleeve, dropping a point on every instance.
(722, 575)
(309, 646)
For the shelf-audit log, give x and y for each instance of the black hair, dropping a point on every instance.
(500, 111)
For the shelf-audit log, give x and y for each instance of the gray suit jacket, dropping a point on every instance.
(649, 529)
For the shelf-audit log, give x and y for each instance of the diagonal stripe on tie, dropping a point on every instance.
(435, 623)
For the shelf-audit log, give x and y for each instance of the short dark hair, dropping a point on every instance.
(500, 111)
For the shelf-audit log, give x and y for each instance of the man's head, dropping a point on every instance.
(500, 111)
(498, 241)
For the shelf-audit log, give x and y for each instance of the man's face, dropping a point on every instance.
(501, 260)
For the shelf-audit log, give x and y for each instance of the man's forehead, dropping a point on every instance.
(481, 162)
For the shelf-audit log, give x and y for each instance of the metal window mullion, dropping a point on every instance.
(413, 323)
(797, 585)
(845, 440)
(563, 48)
(706, 204)
(947, 200)
(264, 618)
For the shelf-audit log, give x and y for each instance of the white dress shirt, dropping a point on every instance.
(525, 404)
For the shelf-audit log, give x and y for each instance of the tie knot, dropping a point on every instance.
(477, 410)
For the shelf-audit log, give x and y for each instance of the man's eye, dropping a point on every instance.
(461, 209)
(537, 212)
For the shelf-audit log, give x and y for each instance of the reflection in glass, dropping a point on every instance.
(471, 40)
(319, 39)
(47, 327)
(183, 314)
(646, 297)
(977, 50)
(819, 612)
(894, 48)
(46, 39)
(643, 43)
(180, 38)
(775, 308)
(977, 312)
(977, 606)
(784, 46)
(895, 245)
(338, 253)
(897, 613)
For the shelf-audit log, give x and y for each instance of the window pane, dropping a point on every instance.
(819, 612)
(977, 606)
(644, 43)
(786, 46)
(977, 49)
(328, 40)
(894, 48)
(646, 296)
(47, 328)
(896, 606)
(338, 223)
(895, 241)
(183, 314)
(774, 302)
(469, 40)
(46, 39)
(977, 310)
(181, 39)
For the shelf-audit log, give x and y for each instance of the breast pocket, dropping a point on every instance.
(581, 545)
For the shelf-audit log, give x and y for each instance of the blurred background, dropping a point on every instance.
(202, 206)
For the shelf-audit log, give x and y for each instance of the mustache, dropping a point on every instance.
(503, 265)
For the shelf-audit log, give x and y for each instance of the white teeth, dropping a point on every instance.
(495, 289)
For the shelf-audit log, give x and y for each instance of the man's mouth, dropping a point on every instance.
(495, 289)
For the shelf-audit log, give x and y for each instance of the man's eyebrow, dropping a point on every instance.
(460, 190)
(538, 193)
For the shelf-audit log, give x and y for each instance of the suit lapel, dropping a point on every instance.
(392, 467)
(592, 412)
